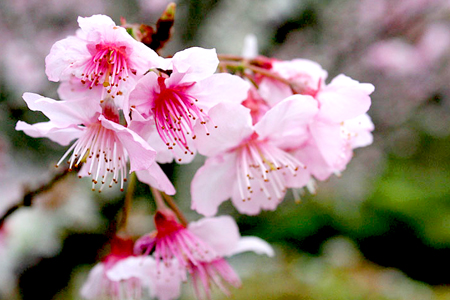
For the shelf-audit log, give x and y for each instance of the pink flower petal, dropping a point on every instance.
(126, 268)
(221, 233)
(142, 96)
(212, 184)
(344, 98)
(155, 177)
(62, 136)
(273, 91)
(255, 244)
(141, 155)
(63, 55)
(196, 63)
(164, 281)
(360, 128)
(92, 23)
(220, 88)
(329, 141)
(233, 123)
(286, 122)
(316, 165)
(92, 288)
(64, 113)
(258, 202)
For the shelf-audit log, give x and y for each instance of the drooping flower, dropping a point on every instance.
(176, 98)
(252, 164)
(102, 144)
(101, 55)
(200, 249)
(118, 276)
(173, 240)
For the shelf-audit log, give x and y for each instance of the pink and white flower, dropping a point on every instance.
(334, 130)
(330, 148)
(103, 280)
(102, 144)
(101, 55)
(252, 164)
(200, 249)
(122, 275)
(181, 96)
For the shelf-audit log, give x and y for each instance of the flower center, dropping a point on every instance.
(108, 66)
(173, 240)
(175, 112)
(264, 166)
(103, 154)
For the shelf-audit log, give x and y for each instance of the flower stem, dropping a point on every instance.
(158, 198)
(234, 63)
(127, 202)
(173, 206)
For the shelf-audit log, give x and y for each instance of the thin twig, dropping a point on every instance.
(127, 202)
(30, 195)
(158, 199)
(173, 206)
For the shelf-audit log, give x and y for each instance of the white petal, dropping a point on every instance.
(221, 233)
(155, 177)
(234, 124)
(213, 184)
(255, 244)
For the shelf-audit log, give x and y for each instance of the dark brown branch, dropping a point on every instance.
(29, 196)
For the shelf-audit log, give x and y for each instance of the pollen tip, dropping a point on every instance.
(124, 180)
(121, 190)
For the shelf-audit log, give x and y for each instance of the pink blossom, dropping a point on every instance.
(340, 101)
(118, 276)
(306, 78)
(173, 240)
(252, 164)
(101, 54)
(222, 234)
(175, 99)
(329, 148)
(102, 144)
(200, 249)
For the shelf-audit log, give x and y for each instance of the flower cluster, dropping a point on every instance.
(291, 129)
(197, 249)
(264, 125)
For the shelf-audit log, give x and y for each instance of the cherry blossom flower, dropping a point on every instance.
(330, 148)
(175, 99)
(102, 144)
(118, 276)
(200, 249)
(101, 55)
(341, 101)
(252, 164)
(173, 240)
